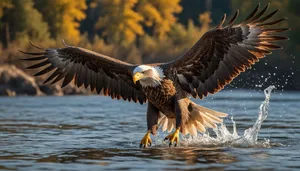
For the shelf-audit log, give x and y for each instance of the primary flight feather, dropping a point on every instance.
(213, 62)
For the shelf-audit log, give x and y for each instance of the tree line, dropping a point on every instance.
(137, 31)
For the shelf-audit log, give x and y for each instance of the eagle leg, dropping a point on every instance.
(152, 121)
(173, 137)
(152, 118)
(181, 111)
(146, 141)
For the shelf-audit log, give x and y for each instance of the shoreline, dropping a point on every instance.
(16, 82)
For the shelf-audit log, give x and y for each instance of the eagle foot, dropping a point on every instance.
(146, 141)
(173, 137)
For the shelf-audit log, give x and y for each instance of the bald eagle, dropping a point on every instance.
(214, 61)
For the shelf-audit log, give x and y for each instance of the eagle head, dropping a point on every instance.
(148, 75)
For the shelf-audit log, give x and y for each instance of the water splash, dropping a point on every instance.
(222, 137)
(250, 135)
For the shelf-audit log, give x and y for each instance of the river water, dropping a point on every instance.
(97, 133)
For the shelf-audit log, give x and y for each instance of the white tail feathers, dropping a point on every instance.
(200, 118)
(167, 124)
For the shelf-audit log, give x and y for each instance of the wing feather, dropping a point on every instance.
(38, 65)
(69, 76)
(93, 81)
(99, 85)
(87, 78)
(224, 52)
(46, 70)
(52, 76)
(252, 14)
(231, 22)
(111, 76)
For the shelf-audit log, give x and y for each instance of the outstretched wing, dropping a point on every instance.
(88, 68)
(224, 52)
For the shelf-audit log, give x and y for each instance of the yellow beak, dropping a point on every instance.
(136, 77)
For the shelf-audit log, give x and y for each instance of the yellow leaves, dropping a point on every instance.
(120, 21)
(151, 14)
(72, 9)
(122, 24)
(73, 12)
(205, 20)
(159, 14)
(63, 17)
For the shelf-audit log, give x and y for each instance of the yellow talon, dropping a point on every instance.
(146, 141)
(173, 137)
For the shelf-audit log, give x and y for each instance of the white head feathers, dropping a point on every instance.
(141, 68)
(151, 78)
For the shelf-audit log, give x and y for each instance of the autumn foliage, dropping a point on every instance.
(137, 31)
(133, 30)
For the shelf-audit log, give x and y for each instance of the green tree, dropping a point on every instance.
(93, 12)
(22, 20)
(4, 4)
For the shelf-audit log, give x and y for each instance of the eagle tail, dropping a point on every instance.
(200, 118)
(166, 124)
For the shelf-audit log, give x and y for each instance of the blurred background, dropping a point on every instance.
(136, 31)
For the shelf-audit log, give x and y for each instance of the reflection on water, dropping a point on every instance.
(188, 155)
(93, 133)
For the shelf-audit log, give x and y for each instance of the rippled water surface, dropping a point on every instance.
(95, 132)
